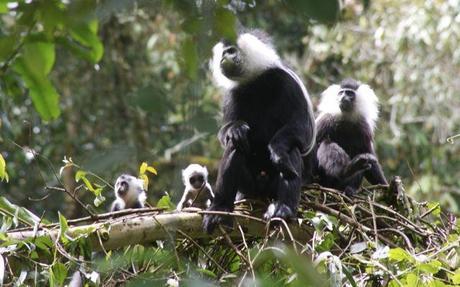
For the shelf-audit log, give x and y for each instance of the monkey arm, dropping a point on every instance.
(185, 198)
(234, 133)
(294, 135)
(375, 173)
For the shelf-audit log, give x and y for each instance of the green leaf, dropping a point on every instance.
(400, 254)
(436, 208)
(326, 11)
(412, 280)
(86, 35)
(3, 173)
(456, 277)
(165, 202)
(34, 64)
(64, 226)
(20, 213)
(431, 267)
(7, 46)
(58, 274)
(143, 168)
(3, 7)
(79, 175)
(224, 23)
(190, 56)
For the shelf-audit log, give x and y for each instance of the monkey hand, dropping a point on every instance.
(282, 162)
(360, 163)
(237, 136)
(211, 221)
(278, 209)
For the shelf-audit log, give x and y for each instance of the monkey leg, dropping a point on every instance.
(375, 174)
(233, 175)
(354, 172)
(287, 190)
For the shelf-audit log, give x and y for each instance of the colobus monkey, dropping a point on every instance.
(198, 192)
(129, 193)
(345, 139)
(268, 125)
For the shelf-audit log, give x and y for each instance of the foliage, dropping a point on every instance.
(353, 242)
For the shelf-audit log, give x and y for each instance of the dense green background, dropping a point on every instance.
(112, 84)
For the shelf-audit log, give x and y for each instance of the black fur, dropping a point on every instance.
(344, 151)
(267, 126)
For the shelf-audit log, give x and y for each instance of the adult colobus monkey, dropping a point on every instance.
(268, 124)
(129, 193)
(197, 192)
(345, 139)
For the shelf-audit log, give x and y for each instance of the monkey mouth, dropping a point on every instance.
(123, 189)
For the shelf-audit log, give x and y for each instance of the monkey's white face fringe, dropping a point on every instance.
(366, 103)
(135, 190)
(257, 57)
(191, 170)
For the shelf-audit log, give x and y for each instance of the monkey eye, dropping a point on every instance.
(194, 179)
(230, 51)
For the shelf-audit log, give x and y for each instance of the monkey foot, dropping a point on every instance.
(211, 221)
(278, 210)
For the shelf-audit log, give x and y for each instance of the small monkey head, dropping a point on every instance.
(128, 187)
(195, 176)
(352, 100)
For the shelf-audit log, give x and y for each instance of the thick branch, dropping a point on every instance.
(143, 229)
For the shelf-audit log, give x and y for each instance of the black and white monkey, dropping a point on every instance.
(129, 193)
(345, 137)
(268, 125)
(198, 192)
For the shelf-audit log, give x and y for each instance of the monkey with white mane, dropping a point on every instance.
(268, 126)
(345, 151)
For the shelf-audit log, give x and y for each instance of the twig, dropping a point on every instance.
(202, 250)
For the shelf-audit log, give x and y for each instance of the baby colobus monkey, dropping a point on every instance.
(129, 193)
(345, 137)
(198, 192)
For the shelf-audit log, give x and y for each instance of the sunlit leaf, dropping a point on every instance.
(431, 267)
(64, 226)
(152, 170)
(86, 35)
(58, 274)
(400, 254)
(165, 202)
(3, 173)
(21, 213)
(143, 168)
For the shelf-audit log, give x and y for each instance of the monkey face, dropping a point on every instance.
(196, 181)
(231, 62)
(122, 185)
(347, 99)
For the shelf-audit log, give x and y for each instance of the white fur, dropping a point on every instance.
(257, 56)
(219, 78)
(366, 104)
(135, 192)
(191, 170)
